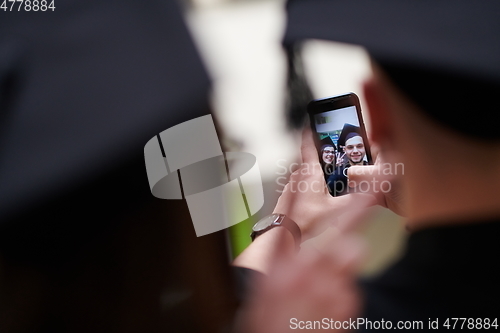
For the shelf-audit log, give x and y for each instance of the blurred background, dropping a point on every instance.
(240, 42)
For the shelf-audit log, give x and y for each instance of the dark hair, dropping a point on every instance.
(329, 168)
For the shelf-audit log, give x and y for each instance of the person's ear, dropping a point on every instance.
(378, 109)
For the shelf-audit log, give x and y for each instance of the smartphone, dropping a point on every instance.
(340, 138)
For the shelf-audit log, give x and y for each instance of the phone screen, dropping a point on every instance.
(341, 139)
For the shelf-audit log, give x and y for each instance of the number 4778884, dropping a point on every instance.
(28, 5)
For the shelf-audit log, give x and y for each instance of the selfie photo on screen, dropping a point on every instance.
(341, 139)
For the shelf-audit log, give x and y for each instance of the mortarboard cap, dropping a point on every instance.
(442, 54)
(83, 89)
(348, 131)
(327, 141)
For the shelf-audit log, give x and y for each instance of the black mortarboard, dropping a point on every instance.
(82, 89)
(348, 131)
(327, 141)
(442, 54)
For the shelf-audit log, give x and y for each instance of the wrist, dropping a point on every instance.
(303, 222)
(260, 254)
(277, 221)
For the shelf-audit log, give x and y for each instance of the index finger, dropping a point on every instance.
(308, 149)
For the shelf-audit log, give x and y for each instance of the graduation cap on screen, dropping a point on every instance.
(348, 131)
(327, 141)
(444, 55)
(57, 137)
